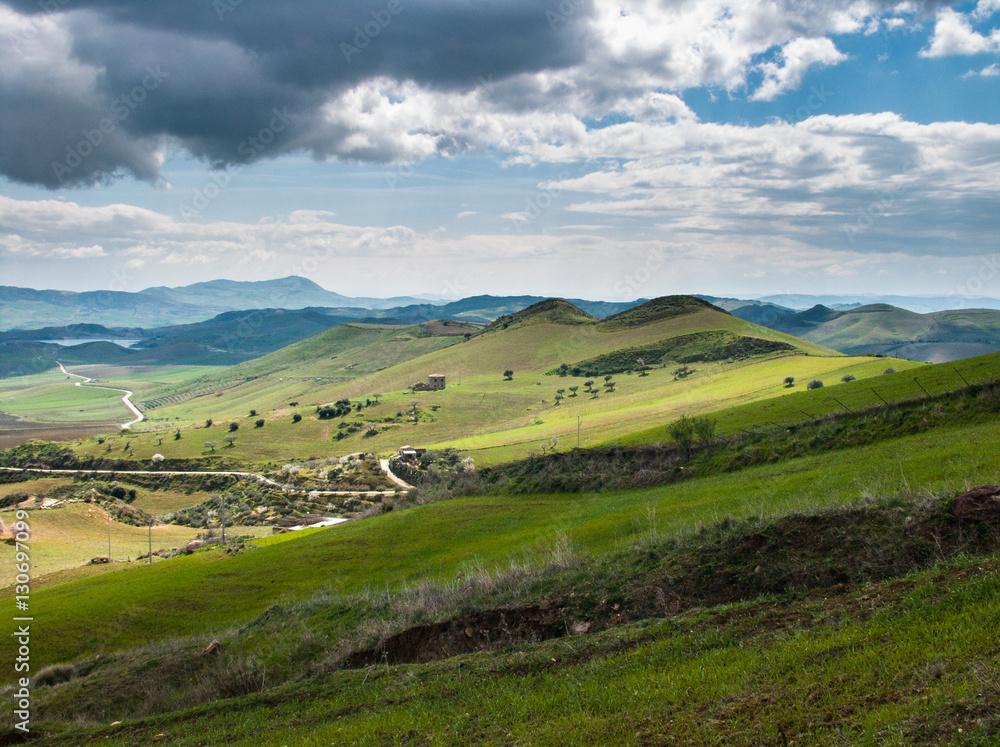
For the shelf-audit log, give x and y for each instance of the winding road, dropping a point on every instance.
(126, 400)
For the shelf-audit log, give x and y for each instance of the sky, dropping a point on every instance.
(446, 148)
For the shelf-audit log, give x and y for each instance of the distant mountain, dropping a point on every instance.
(27, 309)
(286, 293)
(918, 304)
(884, 329)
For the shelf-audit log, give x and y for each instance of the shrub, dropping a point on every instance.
(848, 377)
(208, 423)
(296, 418)
(55, 674)
(233, 427)
(889, 370)
(259, 423)
(814, 384)
(253, 413)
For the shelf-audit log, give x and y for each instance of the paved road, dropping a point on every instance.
(126, 400)
(245, 475)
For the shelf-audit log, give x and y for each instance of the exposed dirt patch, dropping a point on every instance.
(979, 504)
(478, 631)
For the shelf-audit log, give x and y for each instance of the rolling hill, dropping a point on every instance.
(886, 330)
(494, 418)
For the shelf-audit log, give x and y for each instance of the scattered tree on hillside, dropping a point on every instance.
(508, 374)
(683, 372)
(211, 444)
(231, 439)
(208, 423)
(559, 399)
(293, 404)
(233, 427)
(607, 379)
(682, 433)
(177, 435)
(259, 423)
(814, 384)
(640, 363)
(376, 397)
(296, 418)
(704, 429)
(573, 390)
(563, 369)
(789, 382)
(253, 413)
(589, 384)
(848, 377)
(889, 370)
(159, 440)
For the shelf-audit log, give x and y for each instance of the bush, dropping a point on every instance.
(253, 413)
(296, 418)
(889, 370)
(208, 423)
(848, 377)
(54, 675)
(259, 423)
(233, 427)
(814, 384)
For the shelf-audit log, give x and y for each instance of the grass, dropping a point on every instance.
(52, 398)
(436, 541)
(907, 661)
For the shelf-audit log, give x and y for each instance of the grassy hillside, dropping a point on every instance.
(480, 410)
(880, 328)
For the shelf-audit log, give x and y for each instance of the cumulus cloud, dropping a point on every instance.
(990, 71)
(358, 82)
(954, 35)
(797, 57)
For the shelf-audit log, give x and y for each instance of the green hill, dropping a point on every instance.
(886, 330)
(836, 592)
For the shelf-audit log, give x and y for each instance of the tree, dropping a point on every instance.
(508, 374)
(559, 399)
(296, 418)
(177, 435)
(814, 384)
(848, 377)
(889, 370)
(233, 427)
(607, 379)
(208, 423)
(589, 383)
(211, 444)
(683, 372)
(259, 423)
(789, 382)
(682, 433)
(573, 390)
(253, 413)
(704, 429)
(231, 439)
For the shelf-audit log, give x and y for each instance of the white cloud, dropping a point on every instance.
(797, 57)
(466, 214)
(990, 71)
(954, 35)
(985, 9)
(80, 252)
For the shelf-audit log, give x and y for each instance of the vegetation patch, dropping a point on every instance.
(699, 347)
(665, 307)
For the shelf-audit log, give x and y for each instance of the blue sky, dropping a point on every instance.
(577, 147)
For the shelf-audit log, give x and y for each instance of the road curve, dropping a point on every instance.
(126, 400)
(384, 463)
(245, 475)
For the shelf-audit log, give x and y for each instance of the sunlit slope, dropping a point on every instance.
(481, 409)
(306, 370)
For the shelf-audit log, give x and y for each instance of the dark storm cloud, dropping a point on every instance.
(228, 68)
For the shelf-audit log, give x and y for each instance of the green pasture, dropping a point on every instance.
(195, 595)
(52, 397)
